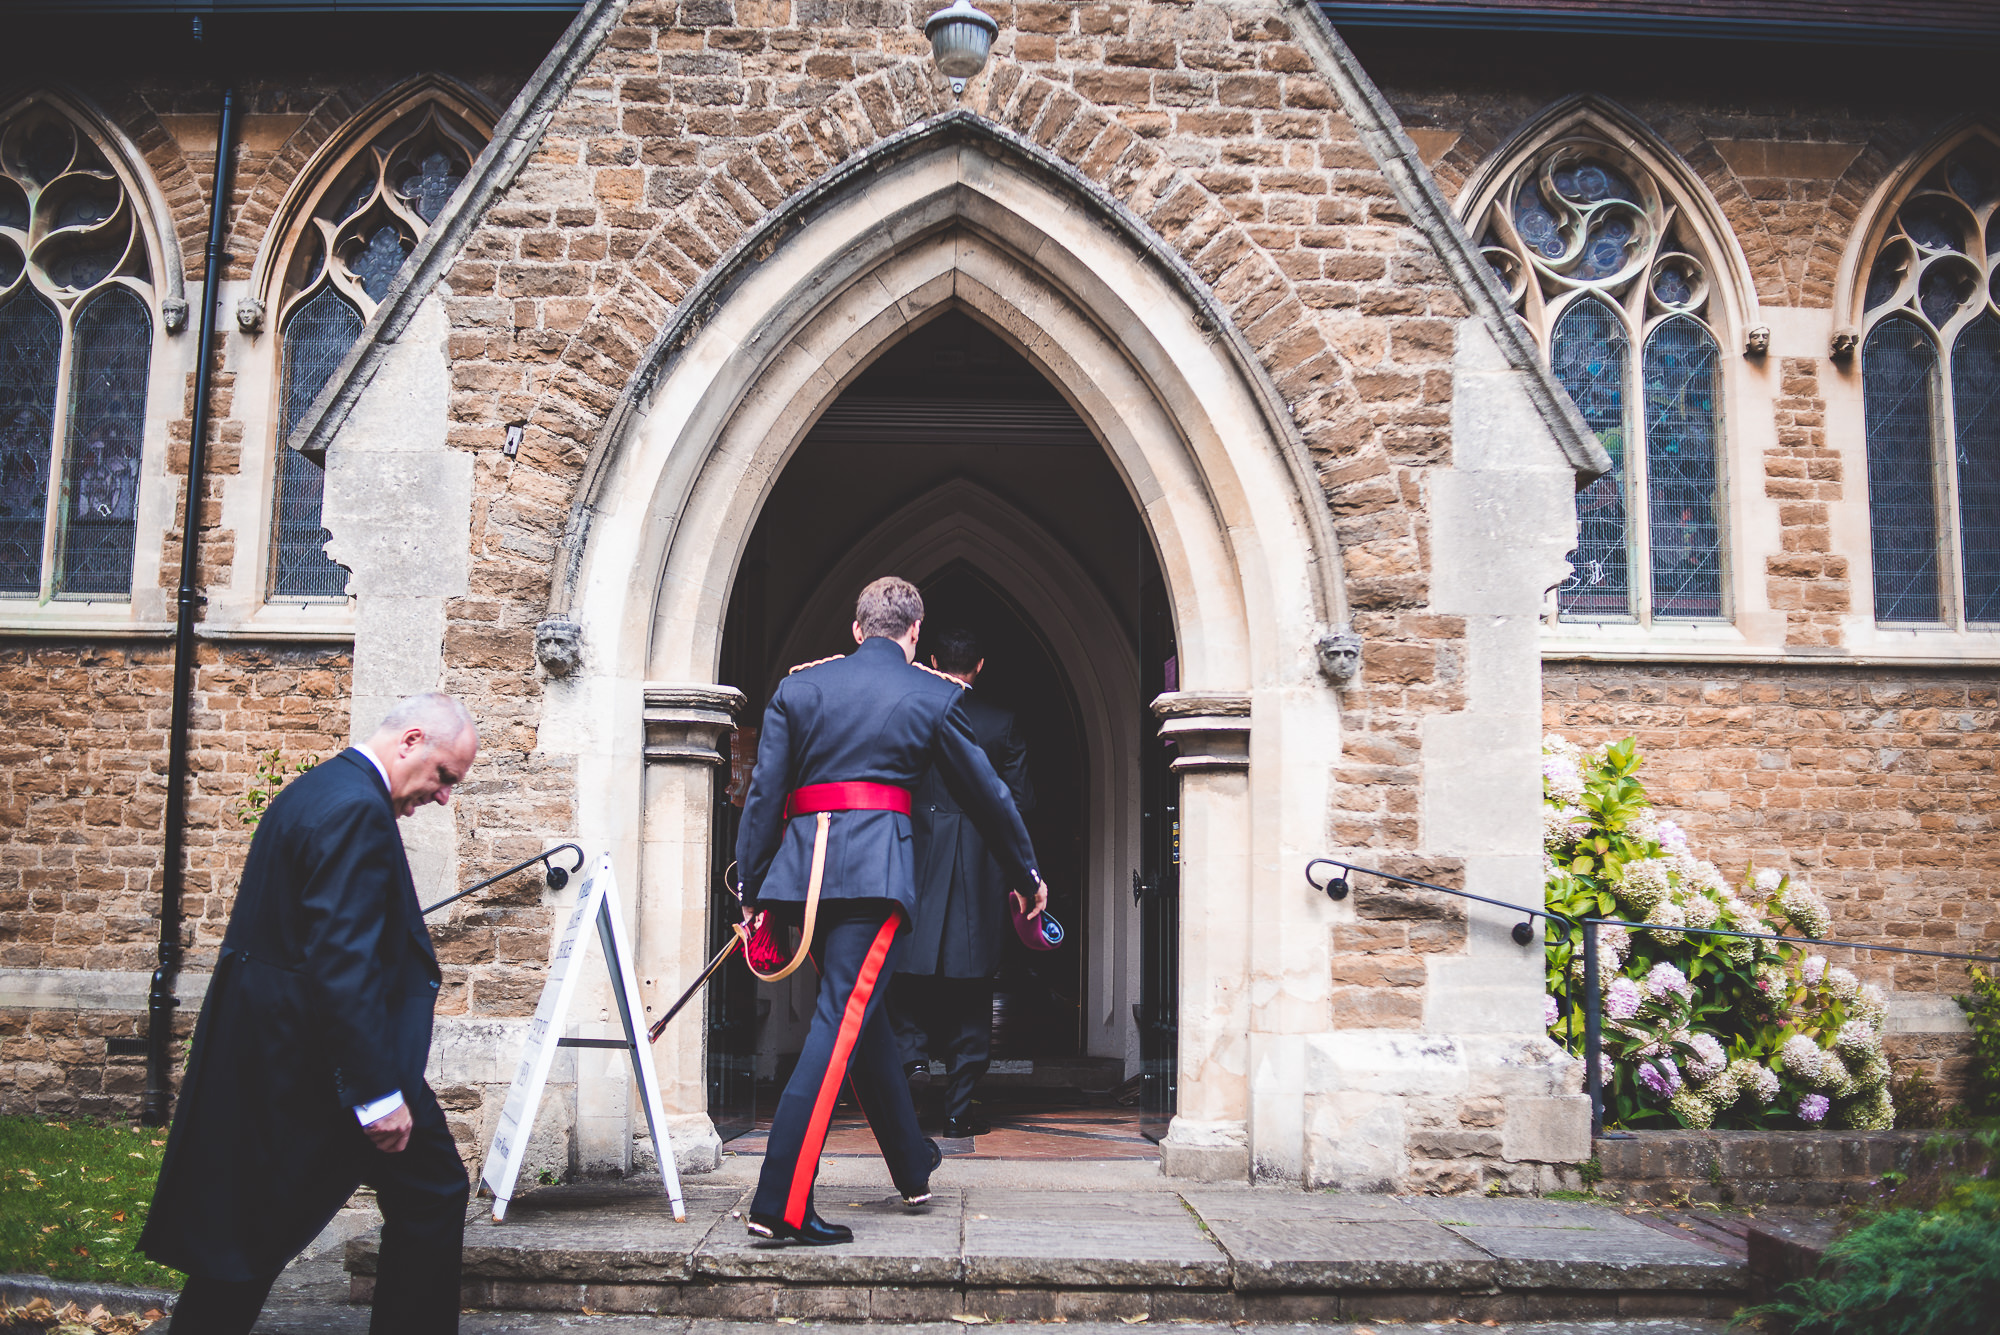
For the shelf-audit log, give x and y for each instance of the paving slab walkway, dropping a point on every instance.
(995, 1245)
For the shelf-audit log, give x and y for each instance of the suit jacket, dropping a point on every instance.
(321, 1000)
(962, 914)
(869, 717)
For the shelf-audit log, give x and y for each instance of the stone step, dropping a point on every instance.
(988, 1249)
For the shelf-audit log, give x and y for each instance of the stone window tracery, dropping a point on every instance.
(368, 217)
(1604, 269)
(76, 332)
(1930, 375)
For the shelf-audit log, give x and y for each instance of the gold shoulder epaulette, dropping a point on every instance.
(815, 663)
(941, 676)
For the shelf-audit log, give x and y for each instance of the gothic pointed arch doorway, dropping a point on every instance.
(953, 462)
(958, 215)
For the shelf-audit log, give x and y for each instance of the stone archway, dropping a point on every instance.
(1190, 425)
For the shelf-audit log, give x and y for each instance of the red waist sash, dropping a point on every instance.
(853, 796)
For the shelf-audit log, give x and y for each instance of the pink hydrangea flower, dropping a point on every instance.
(1813, 1108)
(1622, 998)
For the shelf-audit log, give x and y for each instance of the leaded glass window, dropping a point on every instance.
(76, 336)
(1607, 273)
(1930, 375)
(361, 229)
(1592, 357)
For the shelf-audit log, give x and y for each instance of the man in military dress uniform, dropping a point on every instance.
(942, 1003)
(844, 742)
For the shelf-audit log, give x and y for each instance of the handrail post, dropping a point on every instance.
(1593, 1037)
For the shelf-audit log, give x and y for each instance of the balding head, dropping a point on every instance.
(427, 744)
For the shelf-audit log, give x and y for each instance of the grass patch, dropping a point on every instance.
(1569, 1195)
(73, 1197)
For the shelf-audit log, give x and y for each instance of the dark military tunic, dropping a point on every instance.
(869, 717)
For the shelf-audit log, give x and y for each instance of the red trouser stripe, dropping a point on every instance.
(807, 1166)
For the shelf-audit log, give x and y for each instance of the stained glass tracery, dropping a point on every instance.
(76, 329)
(365, 226)
(1930, 372)
(1596, 259)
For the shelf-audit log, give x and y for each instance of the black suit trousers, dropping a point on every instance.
(854, 948)
(422, 1192)
(951, 1020)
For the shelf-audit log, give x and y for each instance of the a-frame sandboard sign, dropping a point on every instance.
(597, 900)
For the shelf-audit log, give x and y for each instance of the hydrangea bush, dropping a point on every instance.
(1698, 1031)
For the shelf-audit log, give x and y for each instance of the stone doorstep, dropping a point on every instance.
(1202, 1254)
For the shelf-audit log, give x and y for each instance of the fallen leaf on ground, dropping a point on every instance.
(1135, 1320)
(968, 1319)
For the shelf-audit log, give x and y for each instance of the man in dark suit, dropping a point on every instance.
(942, 1003)
(306, 1077)
(825, 842)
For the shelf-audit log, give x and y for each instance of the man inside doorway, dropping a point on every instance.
(943, 997)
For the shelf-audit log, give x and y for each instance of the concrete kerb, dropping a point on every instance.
(120, 1299)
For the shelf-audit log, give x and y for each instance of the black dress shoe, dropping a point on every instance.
(815, 1232)
(917, 1073)
(922, 1194)
(966, 1128)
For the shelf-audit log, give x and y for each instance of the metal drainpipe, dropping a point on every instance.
(157, 1102)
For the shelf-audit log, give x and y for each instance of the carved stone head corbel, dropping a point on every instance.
(559, 646)
(1339, 656)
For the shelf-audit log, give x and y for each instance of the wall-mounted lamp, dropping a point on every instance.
(961, 37)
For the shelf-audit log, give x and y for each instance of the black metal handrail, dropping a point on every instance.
(1593, 1032)
(555, 877)
(1337, 889)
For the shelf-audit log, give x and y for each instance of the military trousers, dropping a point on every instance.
(854, 949)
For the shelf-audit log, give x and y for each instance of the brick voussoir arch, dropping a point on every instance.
(723, 224)
(604, 355)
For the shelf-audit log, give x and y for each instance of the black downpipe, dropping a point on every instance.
(157, 1103)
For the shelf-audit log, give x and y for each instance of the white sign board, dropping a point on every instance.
(597, 901)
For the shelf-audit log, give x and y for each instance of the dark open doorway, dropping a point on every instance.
(953, 411)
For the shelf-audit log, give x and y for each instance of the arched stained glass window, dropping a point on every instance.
(317, 335)
(30, 357)
(1591, 355)
(1599, 262)
(1681, 392)
(1975, 396)
(364, 225)
(1930, 375)
(1897, 392)
(112, 348)
(75, 312)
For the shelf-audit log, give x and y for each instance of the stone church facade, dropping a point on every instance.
(578, 321)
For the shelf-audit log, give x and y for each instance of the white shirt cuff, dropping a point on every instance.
(371, 1113)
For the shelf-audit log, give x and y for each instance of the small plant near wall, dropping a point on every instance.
(1982, 1011)
(1698, 1031)
(271, 774)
